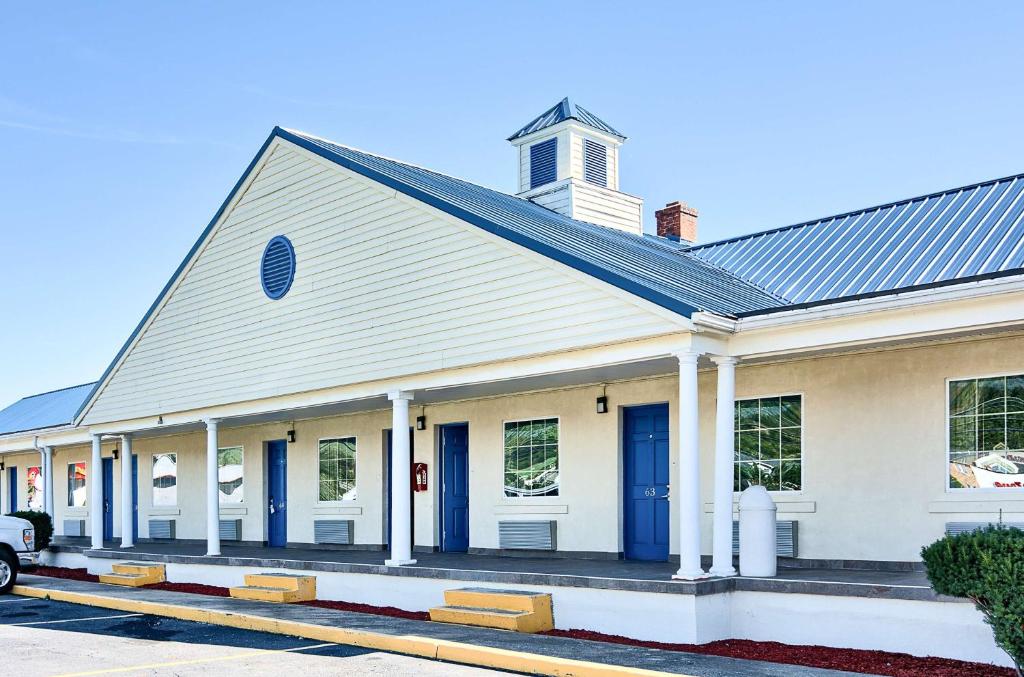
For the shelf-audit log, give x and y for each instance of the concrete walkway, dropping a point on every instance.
(535, 654)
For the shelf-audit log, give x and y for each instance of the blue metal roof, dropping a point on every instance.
(562, 111)
(640, 265)
(956, 235)
(46, 410)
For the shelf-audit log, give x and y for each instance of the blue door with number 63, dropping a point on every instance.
(645, 482)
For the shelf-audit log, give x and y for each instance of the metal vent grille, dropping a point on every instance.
(785, 538)
(231, 530)
(277, 269)
(162, 529)
(333, 531)
(543, 162)
(527, 535)
(74, 527)
(954, 528)
(595, 163)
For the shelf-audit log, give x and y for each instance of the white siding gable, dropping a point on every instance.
(384, 287)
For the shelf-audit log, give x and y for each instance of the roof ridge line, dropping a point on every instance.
(832, 217)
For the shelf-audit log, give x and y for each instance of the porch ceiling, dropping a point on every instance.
(602, 374)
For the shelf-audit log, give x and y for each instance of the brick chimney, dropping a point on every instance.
(677, 221)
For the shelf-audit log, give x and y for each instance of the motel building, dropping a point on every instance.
(405, 383)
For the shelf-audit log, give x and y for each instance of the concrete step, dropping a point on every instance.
(154, 571)
(495, 598)
(130, 580)
(500, 619)
(293, 582)
(262, 593)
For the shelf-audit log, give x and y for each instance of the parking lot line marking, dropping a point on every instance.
(197, 661)
(73, 620)
(16, 599)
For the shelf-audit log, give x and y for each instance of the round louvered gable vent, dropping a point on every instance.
(277, 269)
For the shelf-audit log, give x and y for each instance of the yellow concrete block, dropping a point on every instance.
(501, 619)
(262, 594)
(155, 572)
(292, 582)
(131, 580)
(509, 600)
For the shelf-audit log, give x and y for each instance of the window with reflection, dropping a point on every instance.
(986, 433)
(76, 485)
(165, 479)
(338, 469)
(531, 458)
(769, 443)
(229, 474)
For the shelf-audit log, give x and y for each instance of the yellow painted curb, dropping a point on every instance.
(412, 645)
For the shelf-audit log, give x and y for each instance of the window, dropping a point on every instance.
(531, 458)
(543, 162)
(338, 469)
(76, 485)
(33, 488)
(229, 474)
(986, 433)
(165, 479)
(769, 443)
(595, 163)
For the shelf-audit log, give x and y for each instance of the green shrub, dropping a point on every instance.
(986, 566)
(43, 524)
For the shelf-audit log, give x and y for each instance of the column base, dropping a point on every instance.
(723, 572)
(398, 562)
(130, 545)
(213, 553)
(690, 575)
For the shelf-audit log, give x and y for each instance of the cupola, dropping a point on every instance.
(568, 161)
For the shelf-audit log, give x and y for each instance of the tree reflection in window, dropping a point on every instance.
(229, 474)
(769, 443)
(165, 479)
(531, 458)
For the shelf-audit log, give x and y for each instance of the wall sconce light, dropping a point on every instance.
(421, 422)
(2, 465)
(291, 435)
(116, 454)
(160, 420)
(602, 405)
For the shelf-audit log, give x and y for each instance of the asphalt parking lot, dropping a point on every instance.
(42, 638)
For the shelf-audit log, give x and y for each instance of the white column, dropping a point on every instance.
(96, 494)
(721, 564)
(401, 470)
(212, 489)
(127, 538)
(688, 496)
(48, 481)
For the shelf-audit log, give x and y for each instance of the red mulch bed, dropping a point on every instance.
(851, 660)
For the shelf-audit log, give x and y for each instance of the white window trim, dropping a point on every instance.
(803, 442)
(67, 498)
(501, 469)
(342, 502)
(152, 462)
(967, 491)
(244, 501)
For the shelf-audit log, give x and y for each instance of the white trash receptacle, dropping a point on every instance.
(757, 533)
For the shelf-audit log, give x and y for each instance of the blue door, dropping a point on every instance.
(645, 478)
(277, 494)
(108, 499)
(12, 485)
(455, 487)
(412, 503)
(135, 498)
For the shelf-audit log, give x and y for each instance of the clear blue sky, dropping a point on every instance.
(123, 127)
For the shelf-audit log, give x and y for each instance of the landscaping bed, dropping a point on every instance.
(850, 660)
